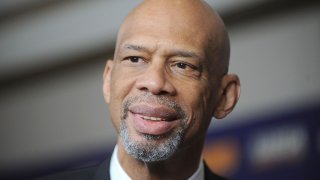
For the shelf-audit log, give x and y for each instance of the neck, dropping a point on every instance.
(180, 166)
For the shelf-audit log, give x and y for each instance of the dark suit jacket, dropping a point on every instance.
(101, 172)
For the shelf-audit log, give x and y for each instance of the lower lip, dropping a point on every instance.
(151, 127)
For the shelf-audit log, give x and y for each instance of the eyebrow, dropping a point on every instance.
(176, 52)
(136, 47)
(186, 53)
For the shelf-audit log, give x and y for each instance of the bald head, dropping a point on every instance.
(192, 20)
(167, 80)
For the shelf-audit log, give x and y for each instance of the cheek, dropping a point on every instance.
(121, 86)
(199, 113)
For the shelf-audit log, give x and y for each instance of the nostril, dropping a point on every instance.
(154, 89)
(162, 93)
(143, 89)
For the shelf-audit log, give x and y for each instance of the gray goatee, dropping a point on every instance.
(154, 148)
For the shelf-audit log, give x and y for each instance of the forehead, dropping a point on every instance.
(149, 44)
(156, 32)
(180, 24)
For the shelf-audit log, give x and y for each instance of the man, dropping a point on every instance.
(167, 80)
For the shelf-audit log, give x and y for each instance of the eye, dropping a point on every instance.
(182, 65)
(185, 69)
(134, 59)
(185, 66)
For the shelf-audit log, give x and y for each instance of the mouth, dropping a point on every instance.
(155, 112)
(152, 120)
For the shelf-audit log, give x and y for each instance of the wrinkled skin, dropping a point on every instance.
(177, 51)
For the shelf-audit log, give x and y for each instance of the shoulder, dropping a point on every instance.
(209, 175)
(79, 174)
(97, 172)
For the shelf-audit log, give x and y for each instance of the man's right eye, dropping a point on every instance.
(134, 59)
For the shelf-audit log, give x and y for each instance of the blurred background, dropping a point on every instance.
(53, 116)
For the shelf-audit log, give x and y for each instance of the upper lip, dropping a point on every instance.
(154, 111)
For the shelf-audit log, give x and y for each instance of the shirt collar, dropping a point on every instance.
(117, 172)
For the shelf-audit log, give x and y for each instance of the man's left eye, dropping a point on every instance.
(182, 65)
(185, 66)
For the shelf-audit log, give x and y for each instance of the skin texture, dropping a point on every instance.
(178, 50)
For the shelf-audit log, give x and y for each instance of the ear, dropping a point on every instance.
(228, 95)
(107, 80)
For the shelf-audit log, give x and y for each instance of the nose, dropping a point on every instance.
(156, 81)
